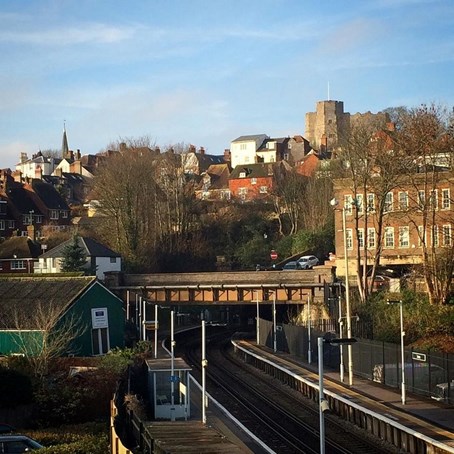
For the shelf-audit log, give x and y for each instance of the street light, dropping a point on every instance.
(258, 319)
(274, 323)
(334, 203)
(402, 352)
(322, 402)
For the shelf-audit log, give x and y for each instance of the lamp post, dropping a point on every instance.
(172, 367)
(341, 333)
(322, 402)
(274, 323)
(402, 351)
(156, 331)
(258, 319)
(334, 203)
(309, 348)
(204, 365)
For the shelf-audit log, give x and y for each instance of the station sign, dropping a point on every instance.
(419, 356)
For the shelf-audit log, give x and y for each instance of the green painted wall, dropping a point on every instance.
(19, 341)
(97, 296)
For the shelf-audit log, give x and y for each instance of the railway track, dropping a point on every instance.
(281, 417)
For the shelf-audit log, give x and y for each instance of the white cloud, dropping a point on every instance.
(95, 33)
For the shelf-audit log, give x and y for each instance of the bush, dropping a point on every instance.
(15, 388)
(74, 439)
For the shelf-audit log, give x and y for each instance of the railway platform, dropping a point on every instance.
(426, 418)
(429, 410)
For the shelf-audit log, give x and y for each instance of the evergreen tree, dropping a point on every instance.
(74, 258)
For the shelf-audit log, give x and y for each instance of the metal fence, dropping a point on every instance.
(428, 373)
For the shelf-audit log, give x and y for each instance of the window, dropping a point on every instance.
(389, 237)
(421, 236)
(404, 237)
(64, 214)
(27, 219)
(54, 214)
(433, 201)
(371, 238)
(435, 239)
(113, 259)
(361, 238)
(348, 204)
(243, 146)
(11, 224)
(39, 219)
(242, 175)
(370, 203)
(447, 236)
(349, 235)
(263, 189)
(2, 224)
(403, 200)
(253, 180)
(421, 199)
(388, 202)
(18, 264)
(359, 203)
(445, 199)
(242, 191)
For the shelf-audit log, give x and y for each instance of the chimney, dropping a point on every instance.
(39, 173)
(202, 150)
(23, 157)
(31, 232)
(390, 126)
(77, 157)
(324, 143)
(227, 155)
(122, 147)
(17, 175)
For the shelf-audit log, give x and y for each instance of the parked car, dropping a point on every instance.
(18, 444)
(308, 261)
(380, 283)
(292, 266)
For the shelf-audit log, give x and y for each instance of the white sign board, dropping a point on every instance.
(99, 318)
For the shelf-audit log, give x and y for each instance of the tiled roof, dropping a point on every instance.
(259, 170)
(251, 137)
(19, 246)
(90, 246)
(49, 195)
(24, 294)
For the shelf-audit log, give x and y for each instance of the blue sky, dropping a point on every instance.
(204, 72)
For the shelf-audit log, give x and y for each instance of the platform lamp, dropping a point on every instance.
(402, 351)
(334, 203)
(322, 402)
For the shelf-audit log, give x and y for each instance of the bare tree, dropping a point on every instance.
(368, 175)
(45, 334)
(426, 139)
(288, 197)
(129, 201)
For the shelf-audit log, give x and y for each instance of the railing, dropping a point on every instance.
(116, 446)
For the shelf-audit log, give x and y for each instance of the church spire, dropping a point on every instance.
(64, 147)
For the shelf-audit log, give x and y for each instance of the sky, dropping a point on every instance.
(205, 72)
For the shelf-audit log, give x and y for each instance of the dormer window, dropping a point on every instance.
(54, 214)
(242, 174)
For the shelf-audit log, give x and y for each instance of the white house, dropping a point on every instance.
(99, 258)
(243, 150)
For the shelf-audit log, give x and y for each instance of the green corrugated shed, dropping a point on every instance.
(25, 301)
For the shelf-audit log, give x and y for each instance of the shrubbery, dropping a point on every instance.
(74, 439)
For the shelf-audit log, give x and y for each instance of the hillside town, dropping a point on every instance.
(44, 195)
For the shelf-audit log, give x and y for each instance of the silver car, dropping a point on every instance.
(306, 262)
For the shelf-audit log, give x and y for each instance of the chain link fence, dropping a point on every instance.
(427, 373)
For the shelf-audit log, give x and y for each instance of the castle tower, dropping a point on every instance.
(327, 125)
